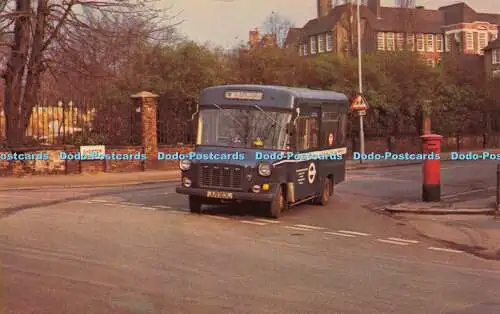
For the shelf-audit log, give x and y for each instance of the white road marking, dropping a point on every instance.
(444, 250)
(392, 242)
(340, 234)
(128, 203)
(403, 240)
(148, 208)
(99, 201)
(353, 232)
(309, 227)
(297, 228)
(253, 222)
(467, 192)
(267, 220)
(163, 206)
(218, 217)
(109, 204)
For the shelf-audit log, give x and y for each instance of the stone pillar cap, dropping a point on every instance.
(144, 95)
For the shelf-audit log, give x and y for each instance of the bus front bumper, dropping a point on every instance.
(236, 196)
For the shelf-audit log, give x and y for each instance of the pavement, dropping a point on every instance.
(100, 179)
(157, 176)
(480, 206)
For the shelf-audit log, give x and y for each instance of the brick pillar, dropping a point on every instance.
(148, 106)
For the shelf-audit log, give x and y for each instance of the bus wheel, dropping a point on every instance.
(278, 204)
(195, 204)
(324, 197)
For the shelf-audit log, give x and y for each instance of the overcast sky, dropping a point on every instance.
(226, 22)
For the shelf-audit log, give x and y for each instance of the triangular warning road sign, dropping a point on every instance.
(359, 103)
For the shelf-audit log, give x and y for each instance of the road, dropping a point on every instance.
(137, 250)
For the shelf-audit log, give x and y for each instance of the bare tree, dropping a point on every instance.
(278, 25)
(34, 29)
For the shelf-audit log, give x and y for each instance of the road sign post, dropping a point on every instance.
(360, 105)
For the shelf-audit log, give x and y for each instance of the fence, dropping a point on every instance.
(78, 124)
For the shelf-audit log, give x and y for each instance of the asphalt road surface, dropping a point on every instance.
(137, 250)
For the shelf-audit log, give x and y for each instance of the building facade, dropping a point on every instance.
(492, 59)
(455, 28)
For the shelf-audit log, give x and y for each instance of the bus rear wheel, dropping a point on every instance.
(278, 205)
(326, 191)
(195, 204)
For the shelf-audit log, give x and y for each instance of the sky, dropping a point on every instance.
(227, 22)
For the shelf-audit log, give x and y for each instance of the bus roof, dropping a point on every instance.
(281, 96)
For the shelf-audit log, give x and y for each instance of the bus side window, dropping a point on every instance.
(307, 133)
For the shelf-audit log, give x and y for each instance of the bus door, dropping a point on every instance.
(308, 137)
(329, 138)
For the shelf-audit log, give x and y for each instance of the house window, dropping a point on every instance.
(411, 42)
(329, 41)
(496, 56)
(313, 44)
(306, 50)
(301, 50)
(429, 42)
(439, 42)
(483, 42)
(401, 41)
(420, 42)
(391, 45)
(380, 41)
(450, 40)
(307, 133)
(469, 41)
(493, 36)
(321, 43)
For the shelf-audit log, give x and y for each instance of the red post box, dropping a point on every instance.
(431, 148)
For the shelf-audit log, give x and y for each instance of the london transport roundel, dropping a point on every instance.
(311, 172)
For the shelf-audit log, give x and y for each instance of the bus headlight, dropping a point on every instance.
(265, 169)
(186, 182)
(185, 164)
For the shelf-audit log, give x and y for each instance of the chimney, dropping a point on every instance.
(324, 7)
(253, 38)
(374, 6)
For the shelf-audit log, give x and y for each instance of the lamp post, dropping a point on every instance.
(360, 77)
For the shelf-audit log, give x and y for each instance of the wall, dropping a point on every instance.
(57, 166)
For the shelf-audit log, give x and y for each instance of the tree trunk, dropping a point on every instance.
(35, 66)
(14, 76)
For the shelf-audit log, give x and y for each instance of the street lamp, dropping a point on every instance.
(360, 74)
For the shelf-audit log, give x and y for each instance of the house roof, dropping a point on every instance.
(393, 19)
(293, 36)
(493, 45)
(458, 13)
(408, 20)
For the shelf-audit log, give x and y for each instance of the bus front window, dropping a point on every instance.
(249, 128)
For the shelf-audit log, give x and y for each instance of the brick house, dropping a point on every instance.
(454, 28)
(492, 59)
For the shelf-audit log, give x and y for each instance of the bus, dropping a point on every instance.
(274, 146)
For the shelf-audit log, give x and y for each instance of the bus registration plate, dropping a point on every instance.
(222, 195)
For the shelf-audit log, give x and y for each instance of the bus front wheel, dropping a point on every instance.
(195, 204)
(278, 205)
(326, 191)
